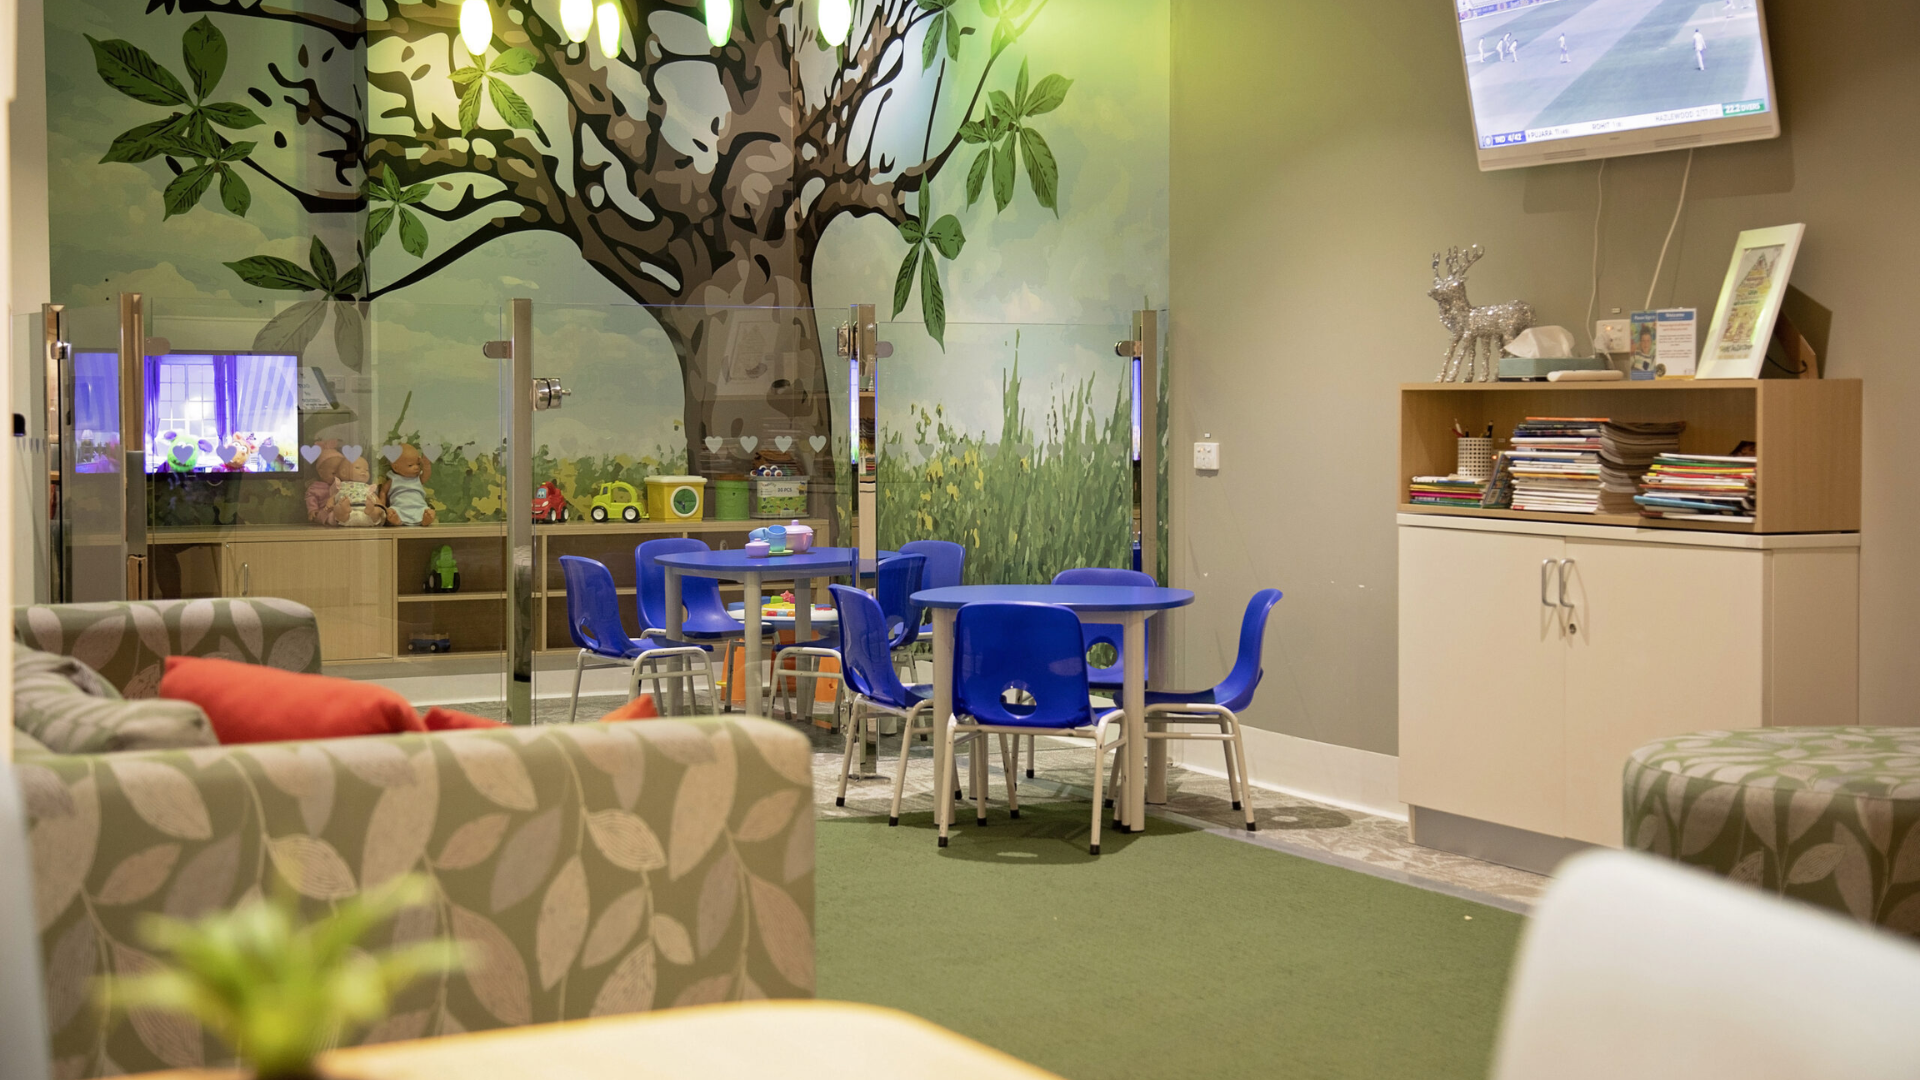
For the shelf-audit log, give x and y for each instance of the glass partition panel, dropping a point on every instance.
(93, 507)
(1014, 440)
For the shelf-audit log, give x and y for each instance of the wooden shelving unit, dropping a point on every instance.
(1807, 431)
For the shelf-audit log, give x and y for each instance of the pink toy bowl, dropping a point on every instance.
(799, 537)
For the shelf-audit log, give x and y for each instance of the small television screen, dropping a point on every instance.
(223, 413)
(1561, 80)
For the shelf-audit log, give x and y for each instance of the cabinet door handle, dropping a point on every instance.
(1546, 569)
(246, 579)
(1572, 628)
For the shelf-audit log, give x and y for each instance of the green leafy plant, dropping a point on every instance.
(473, 80)
(413, 232)
(946, 237)
(277, 990)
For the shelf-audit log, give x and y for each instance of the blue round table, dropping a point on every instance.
(1127, 605)
(736, 565)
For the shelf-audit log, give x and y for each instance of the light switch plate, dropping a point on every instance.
(1610, 336)
(1206, 456)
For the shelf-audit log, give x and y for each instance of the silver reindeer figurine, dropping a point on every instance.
(1495, 325)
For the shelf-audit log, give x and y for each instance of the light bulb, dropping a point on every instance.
(836, 18)
(576, 18)
(719, 21)
(476, 27)
(609, 29)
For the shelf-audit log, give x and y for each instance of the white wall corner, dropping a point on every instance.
(1323, 772)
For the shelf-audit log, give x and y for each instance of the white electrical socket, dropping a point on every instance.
(1206, 456)
(1610, 336)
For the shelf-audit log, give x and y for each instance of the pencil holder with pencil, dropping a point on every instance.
(1476, 458)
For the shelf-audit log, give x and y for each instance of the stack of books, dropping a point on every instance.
(1698, 487)
(1626, 450)
(1555, 462)
(1446, 491)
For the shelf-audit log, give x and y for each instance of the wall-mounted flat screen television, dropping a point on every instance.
(1566, 80)
(223, 413)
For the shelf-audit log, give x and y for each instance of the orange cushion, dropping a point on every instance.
(250, 703)
(439, 719)
(640, 708)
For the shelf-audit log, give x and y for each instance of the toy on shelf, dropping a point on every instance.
(405, 489)
(779, 490)
(429, 643)
(356, 502)
(1479, 333)
(326, 469)
(616, 498)
(549, 504)
(443, 571)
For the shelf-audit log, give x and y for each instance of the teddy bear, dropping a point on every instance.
(404, 490)
(356, 502)
(326, 469)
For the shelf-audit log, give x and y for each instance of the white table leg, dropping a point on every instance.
(1134, 700)
(803, 633)
(942, 711)
(676, 621)
(752, 582)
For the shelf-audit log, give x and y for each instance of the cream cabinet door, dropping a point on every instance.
(1482, 677)
(348, 584)
(1664, 640)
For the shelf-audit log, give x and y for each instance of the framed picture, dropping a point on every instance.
(1750, 302)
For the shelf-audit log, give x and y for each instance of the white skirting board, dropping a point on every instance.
(1324, 772)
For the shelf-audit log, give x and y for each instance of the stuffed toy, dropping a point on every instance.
(326, 469)
(405, 494)
(356, 502)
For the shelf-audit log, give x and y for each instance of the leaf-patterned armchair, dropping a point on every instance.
(591, 868)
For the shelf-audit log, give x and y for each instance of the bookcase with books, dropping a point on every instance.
(1756, 456)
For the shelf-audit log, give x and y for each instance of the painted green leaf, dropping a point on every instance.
(903, 285)
(1003, 36)
(349, 334)
(513, 62)
(204, 48)
(1020, 91)
(1003, 164)
(413, 234)
(466, 76)
(977, 175)
(349, 285)
(973, 131)
(185, 191)
(933, 303)
(127, 68)
(930, 5)
(953, 37)
(148, 141)
(509, 104)
(415, 194)
(379, 220)
(947, 236)
(235, 151)
(234, 194)
(1047, 95)
(1001, 105)
(911, 232)
(990, 7)
(926, 197)
(930, 46)
(231, 114)
(292, 330)
(1043, 172)
(199, 138)
(273, 272)
(470, 106)
(321, 260)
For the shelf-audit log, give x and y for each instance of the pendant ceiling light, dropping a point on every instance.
(836, 18)
(576, 18)
(609, 29)
(476, 26)
(719, 21)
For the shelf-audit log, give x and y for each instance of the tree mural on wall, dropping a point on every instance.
(694, 179)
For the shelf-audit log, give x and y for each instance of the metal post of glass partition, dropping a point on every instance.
(56, 383)
(1145, 348)
(518, 349)
(133, 442)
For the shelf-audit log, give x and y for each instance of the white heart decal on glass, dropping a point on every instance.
(782, 443)
(433, 451)
(392, 452)
(351, 453)
(227, 452)
(715, 442)
(748, 442)
(311, 453)
(269, 451)
(818, 442)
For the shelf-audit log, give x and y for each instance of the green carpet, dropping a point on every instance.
(1176, 953)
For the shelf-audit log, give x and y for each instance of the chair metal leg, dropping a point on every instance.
(1239, 750)
(846, 760)
(900, 774)
(1007, 763)
(1099, 751)
(579, 672)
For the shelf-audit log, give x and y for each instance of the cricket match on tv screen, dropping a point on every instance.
(1559, 69)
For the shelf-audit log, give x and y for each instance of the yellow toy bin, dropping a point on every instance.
(676, 498)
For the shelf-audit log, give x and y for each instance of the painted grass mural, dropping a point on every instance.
(1025, 506)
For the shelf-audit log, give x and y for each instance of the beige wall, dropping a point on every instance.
(1323, 151)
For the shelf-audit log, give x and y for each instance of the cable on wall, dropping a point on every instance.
(1651, 285)
(1599, 203)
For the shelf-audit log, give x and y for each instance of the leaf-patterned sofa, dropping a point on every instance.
(592, 868)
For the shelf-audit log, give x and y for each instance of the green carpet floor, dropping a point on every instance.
(1176, 953)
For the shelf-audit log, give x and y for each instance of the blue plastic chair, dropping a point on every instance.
(946, 563)
(704, 616)
(1020, 669)
(1110, 678)
(866, 663)
(593, 621)
(896, 580)
(1222, 705)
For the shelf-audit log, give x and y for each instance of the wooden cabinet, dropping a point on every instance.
(349, 584)
(1535, 656)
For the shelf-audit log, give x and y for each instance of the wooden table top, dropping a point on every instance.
(792, 1040)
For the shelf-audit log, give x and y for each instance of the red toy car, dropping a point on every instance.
(549, 505)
